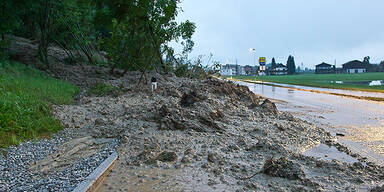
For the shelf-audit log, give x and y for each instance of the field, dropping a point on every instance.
(26, 95)
(350, 81)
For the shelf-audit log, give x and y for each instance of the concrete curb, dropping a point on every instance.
(92, 182)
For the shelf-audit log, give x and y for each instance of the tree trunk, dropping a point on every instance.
(141, 77)
(124, 72)
(3, 12)
(145, 78)
(157, 48)
(112, 71)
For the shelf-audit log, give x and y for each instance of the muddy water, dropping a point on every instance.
(361, 121)
(339, 91)
(326, 152)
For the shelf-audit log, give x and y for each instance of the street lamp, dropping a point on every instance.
(253, 50)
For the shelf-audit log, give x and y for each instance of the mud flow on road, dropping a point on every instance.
(359, 124)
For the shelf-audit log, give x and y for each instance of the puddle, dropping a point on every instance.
(325, 152)
(369, 83)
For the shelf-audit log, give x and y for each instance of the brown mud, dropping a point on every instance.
(211, 135)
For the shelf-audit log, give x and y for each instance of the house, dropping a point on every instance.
(355, 67)
(227, 72)
(280, 69)
(232, 69)
(325, 68)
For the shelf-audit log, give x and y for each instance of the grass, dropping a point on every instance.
(103, 89)
(26, 96)
(324, 80)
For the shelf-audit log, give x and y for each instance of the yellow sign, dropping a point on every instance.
(262, 60)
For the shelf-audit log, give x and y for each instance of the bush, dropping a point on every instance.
(182, 70)
(26, 95)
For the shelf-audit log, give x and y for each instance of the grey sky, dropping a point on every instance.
(313, 31)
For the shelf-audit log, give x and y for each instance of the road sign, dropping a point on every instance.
(262, 61)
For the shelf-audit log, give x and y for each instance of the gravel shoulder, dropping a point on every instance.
(56, 164)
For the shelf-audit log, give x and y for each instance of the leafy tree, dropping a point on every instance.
(65, 23)
(54, 24)
(163, 28)
(128, 47)
(381, 66)
(9, 20)
(142, 32)
(135, 33)
(216, 66)
(273, 63)
(366, 60)
(291, 65)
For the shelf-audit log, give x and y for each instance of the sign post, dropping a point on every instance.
(262, 61)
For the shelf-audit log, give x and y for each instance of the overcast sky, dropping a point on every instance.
(313, 31)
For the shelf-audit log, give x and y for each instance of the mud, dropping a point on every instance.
(211, 135)
(69, 153)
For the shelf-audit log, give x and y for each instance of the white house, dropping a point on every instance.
(232, 69)
(227, 72)
(280, 69)
(356, 70)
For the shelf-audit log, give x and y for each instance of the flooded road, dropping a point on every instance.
(360, 123)
(329, 90)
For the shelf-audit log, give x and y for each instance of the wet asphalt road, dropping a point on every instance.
(361, 121)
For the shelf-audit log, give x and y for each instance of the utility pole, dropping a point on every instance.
(335, 67)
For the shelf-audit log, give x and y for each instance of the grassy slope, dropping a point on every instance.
(25, 98)
(323, 80)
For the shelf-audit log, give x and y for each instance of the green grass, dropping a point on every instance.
(26, 96)
(324, 80)
(103, 89)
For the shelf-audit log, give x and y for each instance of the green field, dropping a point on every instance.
(325, 80)
(26, 96)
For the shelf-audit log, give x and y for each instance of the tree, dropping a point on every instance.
(216, 65)
(273, 63)
(143, 30)
(9, 20)
(381, 66)
(291, 65)
(55, 23)
(366, 60)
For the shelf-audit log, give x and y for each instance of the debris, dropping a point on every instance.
(167, 156)
(189, 99)
(284, 168)
(214, 157)
(270, 107)
(378, 189)
(208, 121)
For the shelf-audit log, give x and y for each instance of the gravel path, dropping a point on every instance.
(16, 174)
